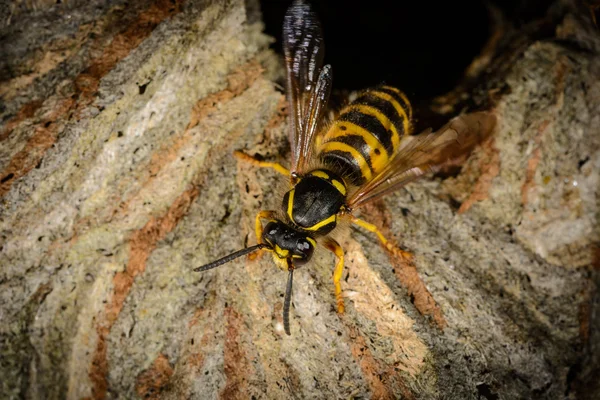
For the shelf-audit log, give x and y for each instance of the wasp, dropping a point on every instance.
(366, 152)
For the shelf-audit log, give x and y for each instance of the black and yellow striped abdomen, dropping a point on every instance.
(366, 134)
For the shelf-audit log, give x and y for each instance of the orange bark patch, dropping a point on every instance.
(87, 84)
(408, 275)
(533, 162)
(489, 165)
(370, 367)
(196, 318)
(396, 380)
(141, 244)
(195, 359)
(236, 366)
(405, 270)
(238, 81)
(99, 367)
(584, 321)
(25, 112)
(150, 383)
(44, 137)
(380, 380)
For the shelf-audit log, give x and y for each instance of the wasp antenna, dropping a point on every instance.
(287, 301)
(231, 256)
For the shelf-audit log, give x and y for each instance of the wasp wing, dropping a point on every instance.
(425, 153)
(308, 84)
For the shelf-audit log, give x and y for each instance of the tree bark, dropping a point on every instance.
(117, 180)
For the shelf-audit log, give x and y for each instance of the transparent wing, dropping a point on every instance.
(308, 83)
(425, 153)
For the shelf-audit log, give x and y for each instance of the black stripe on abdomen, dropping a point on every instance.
(385, 107)
(372, 125)
(344, 164)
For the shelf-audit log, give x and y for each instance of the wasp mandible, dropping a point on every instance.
(365, 153)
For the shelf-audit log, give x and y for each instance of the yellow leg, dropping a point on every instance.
(258, 228)
(372, 228)
(276, 166)
(333, 246)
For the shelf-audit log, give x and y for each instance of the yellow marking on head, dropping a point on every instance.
(312, 241)
(290, 206)
(281, 253)
(321, 224)
(403, 96)
(381, 117)
(281, 263)
(339, 186)
(377, 153)
(320, 174)
(401, 111)
(362, 163)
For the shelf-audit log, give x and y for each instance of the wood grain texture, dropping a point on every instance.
(117, 132)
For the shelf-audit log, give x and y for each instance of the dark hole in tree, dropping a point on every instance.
(420, 47)
(7, 178)
(485, 392)
(423, 48)
(142, 88)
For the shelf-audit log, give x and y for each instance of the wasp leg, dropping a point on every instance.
(264, 164)
(258, 228)
(333, 246)
(389, 246)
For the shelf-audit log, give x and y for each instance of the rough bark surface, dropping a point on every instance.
(117, 179)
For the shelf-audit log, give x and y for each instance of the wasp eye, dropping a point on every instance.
(304, 251)
(272, 232)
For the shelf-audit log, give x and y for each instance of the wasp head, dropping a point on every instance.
(289, 246)
(288, 243)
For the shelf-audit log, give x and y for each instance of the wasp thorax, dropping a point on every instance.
(288, 242)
